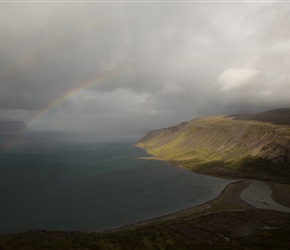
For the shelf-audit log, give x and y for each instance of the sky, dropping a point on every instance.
(124, 68)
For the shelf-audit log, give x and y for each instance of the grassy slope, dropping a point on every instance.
(228, 146)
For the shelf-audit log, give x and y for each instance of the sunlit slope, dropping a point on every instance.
(256, 146)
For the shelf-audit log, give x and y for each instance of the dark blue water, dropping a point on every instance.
(92, 187)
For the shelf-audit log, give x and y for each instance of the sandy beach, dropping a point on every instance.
(258, 194)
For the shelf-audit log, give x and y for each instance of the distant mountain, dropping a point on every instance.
(11, 126)
(251, 146)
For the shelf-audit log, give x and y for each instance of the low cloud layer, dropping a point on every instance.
(170, 62)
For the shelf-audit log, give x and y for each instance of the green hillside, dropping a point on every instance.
(252, 146)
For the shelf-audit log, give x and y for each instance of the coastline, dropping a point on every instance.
(205, 207)
(171, 216)
(216, 222)
(219, 222)
(194, 209)
(279, 192)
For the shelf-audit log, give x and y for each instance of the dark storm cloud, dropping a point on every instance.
(180, 60)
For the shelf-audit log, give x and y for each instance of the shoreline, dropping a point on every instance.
(171, 216)
(212, 168)
(203, 206)
(197, 210)
(136, 224)
(219, 223)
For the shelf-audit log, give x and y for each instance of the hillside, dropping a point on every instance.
(251, 146)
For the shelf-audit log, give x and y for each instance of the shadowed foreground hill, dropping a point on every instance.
(253, 146)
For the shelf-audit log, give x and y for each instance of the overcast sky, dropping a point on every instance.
(164, 63)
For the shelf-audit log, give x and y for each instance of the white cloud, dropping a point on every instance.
(233, 79)
(282, 46)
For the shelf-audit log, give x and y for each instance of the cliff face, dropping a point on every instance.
(255, 146)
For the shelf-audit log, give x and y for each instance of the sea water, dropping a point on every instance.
(92, 187)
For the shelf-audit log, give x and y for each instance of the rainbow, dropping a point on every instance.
(105, 75)
(27, 57)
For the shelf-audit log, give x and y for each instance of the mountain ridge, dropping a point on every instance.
(240, 145)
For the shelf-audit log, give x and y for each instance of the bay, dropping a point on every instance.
(92, 187)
